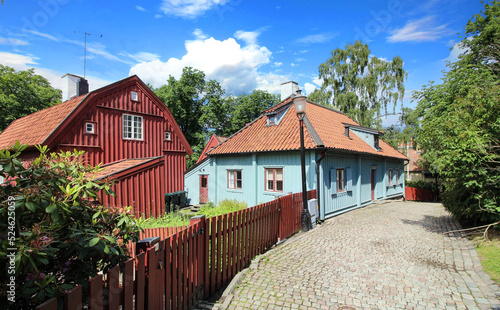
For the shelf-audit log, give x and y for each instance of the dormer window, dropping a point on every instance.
(134, 96)
(168, 135)
(89, 127)
(376, 142)
(271, 120)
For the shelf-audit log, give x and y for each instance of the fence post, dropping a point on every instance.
(200, 254)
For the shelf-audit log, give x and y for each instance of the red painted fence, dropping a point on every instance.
(191, 262)
(418, 194)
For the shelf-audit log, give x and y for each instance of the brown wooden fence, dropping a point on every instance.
(190, 263)
(418, 194)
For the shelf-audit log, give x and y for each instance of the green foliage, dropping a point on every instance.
(359, 84)
(460, 123)
(172, 219)
(62, 235)
(178, 218)
(22, 93)
(225, 206)
(422, 185)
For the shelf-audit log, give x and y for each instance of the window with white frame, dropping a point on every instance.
(134, 96)
(132, 127)
(234, 179)
(340, 180)
(168, 135)
(389, 177)
(274, 180)
(89, 127)
(397, 176)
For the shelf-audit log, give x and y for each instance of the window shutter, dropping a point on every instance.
(348, 173)
(333, 180)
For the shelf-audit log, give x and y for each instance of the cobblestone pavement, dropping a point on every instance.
(390, 255)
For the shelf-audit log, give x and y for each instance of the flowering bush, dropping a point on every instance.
(63, 236)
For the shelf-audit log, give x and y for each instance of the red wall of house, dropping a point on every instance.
(144, 191)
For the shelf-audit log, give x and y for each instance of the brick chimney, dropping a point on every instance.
(76, 86)
(288, 89)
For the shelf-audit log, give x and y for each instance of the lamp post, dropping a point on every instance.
(299, 101)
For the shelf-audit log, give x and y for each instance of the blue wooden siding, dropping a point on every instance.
(357, 174)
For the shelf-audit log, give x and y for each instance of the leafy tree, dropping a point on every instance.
(245, 108)
(359, 84)
(460, 123)
(50, 214)
(22, 93)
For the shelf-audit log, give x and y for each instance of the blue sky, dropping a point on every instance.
(243, 44)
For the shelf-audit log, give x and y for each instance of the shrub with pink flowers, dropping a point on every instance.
(62, 234)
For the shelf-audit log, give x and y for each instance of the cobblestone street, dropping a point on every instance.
(390, 255)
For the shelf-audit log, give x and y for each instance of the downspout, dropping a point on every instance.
(318, 180)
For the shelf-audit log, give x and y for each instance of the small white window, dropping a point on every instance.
(132, 127)
(168, 136)
(89, 128)
(134, 96)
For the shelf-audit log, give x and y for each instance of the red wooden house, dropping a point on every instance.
(124, 126)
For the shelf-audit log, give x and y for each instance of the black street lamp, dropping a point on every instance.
(299, 101)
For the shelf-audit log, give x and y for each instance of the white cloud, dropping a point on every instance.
(24, 62)
(43, 35)
(158, 16)
(293, 64)
(189, 8)
(198, 33)
(421, 30)
(99, 49)
(17, 61)
(316, 38)
(456, 51)
(142, 56)
(249, 37)
(271, 82)
(12, 41)
(236, 67)
(277, 64)
(309, 88)
(140, 8)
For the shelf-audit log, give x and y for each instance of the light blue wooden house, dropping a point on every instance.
(348, 165)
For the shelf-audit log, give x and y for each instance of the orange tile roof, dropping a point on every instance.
(328, 124)
(35, 128)
(122, 165)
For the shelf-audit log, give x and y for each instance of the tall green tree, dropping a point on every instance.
(22, 93)
(460, 123)
(360, 85)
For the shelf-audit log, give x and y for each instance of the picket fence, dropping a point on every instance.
(189, 263)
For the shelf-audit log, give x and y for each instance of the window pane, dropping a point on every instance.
(279, 174)
(238, 175)
(230, 176)
(270, 185)
(270, 174)
(238, 184)
(279, 186)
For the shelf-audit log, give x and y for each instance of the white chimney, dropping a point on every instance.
(75, 86)
(288, 89)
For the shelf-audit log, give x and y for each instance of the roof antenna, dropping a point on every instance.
(85, 34)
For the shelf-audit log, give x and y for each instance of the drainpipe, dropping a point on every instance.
(318, 162)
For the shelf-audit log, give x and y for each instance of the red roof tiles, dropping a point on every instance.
(328, 124)
(35, 128)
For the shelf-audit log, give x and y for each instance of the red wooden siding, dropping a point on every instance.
(418, 194)
(107, 144)
(143, 190)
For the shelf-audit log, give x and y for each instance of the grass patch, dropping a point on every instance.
(489, 254)
(180, 218)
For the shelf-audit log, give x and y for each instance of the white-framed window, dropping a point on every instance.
(389, 177)
(274, 179)
(168, 135)
(134, 96)
(132, 127)
(340, 180)
(397, 176)
(89, 127)
(234, 180)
